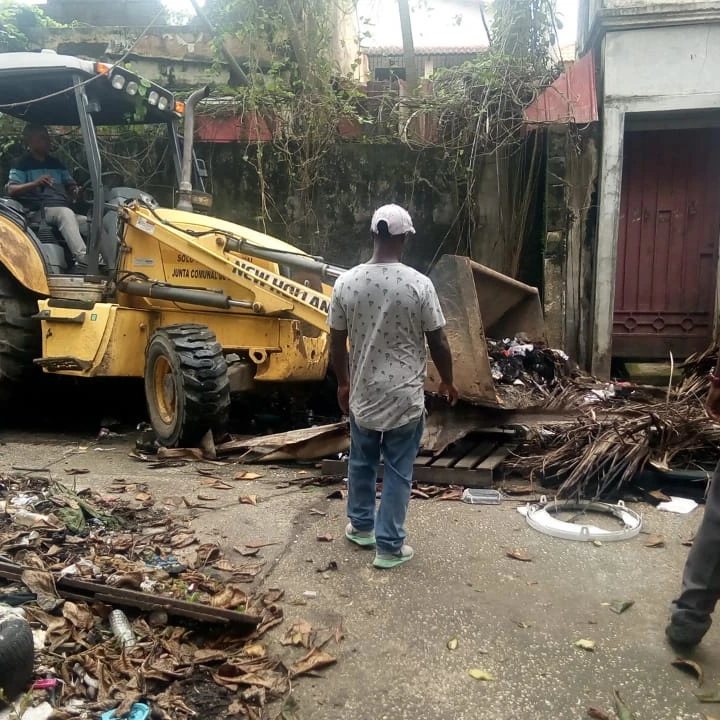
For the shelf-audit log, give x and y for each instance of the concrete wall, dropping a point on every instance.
(662, 70)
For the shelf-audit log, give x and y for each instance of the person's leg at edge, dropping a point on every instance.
(399, 448)
(690, 618)
(65, 220)
(362, 478)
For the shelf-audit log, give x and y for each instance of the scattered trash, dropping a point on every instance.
(709, 697)
(692, 667)
(122, 629)
(588, 645)
(138, 711)
(478, 674)
(43, 711)
(325, 537)
(541, 518)
(475, 496)
(247, 476)
(621, 709)
(678, 505)
(314, 660)
(655, 541)
(620, 606)
(599, 714)
(519, 554)
(310, 593)
(452, 643)
(331, 566)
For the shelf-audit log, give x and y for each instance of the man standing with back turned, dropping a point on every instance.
(386, 310)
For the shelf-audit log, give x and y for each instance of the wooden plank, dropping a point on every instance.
(422, 460)
(478, 454)
(455, 452)
(427, 474)
(492, 461)
(94, 592)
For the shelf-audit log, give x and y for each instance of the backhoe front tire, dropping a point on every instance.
(186, 384)
(20, 340)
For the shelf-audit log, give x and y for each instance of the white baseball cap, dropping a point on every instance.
(398, 220)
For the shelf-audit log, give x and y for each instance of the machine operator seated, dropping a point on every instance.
(42, 183)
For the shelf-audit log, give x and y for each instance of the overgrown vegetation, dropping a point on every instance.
(473, 113)
(21, 26)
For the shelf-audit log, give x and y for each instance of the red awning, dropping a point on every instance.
(572, 98)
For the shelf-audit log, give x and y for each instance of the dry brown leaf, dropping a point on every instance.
(272, 596)
(172, 453)
(247, 552)
(519, 554)
(248, 499)
(583, 644)
(659, 495)
(599, 714)
(207, 498)
(691, 667)
(182, 539)
(247, 476)
(77, 471)
(230, 597)
(208, 655)
(79, 615)
(300, 634)
(43, 585)
(256, 544)
(224, 565)
(325, 537)
(221, 485)
(130, 580)
(478, 674)
(255, 650)
(655, 541)
(143, 497)
(688, 542)
(314, 660)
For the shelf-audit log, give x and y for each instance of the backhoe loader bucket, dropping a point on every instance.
(480, 303)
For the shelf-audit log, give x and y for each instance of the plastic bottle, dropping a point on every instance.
(122, 629)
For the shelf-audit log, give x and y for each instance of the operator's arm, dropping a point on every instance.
(69, 182)
(18, 183)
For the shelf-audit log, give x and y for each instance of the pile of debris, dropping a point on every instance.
(621, 430)
(70, 559)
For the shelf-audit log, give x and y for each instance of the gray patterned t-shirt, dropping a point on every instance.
(386, 309)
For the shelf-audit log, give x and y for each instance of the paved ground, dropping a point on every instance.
(515, 620)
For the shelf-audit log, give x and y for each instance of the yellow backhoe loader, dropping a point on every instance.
(199, 307)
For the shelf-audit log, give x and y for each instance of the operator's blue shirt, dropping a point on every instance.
(27, 169)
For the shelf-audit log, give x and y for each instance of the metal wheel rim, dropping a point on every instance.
(164, 390)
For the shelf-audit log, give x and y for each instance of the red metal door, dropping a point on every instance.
(667, 243)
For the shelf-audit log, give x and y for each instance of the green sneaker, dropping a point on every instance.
(363, 538)
(385, 561)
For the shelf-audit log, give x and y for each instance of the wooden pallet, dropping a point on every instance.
(471, 462)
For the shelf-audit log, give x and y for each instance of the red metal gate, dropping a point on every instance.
(667, 243)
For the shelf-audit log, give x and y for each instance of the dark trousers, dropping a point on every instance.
(701, 577)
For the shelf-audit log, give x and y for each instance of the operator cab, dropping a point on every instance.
(60, 90)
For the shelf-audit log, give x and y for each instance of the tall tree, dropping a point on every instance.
(411, 73)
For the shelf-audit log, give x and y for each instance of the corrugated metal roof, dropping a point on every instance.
(396, 50)
(572, 98)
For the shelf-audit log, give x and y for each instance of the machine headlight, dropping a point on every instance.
(163, 103)
(153, 97)
(118, 82)
(132, 88)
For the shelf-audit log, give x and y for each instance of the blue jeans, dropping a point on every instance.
(399, 449)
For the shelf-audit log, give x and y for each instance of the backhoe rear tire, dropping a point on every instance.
(186, 384)
(20, 340)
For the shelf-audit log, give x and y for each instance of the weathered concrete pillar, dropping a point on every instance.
(554, 289)
(606, 256)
